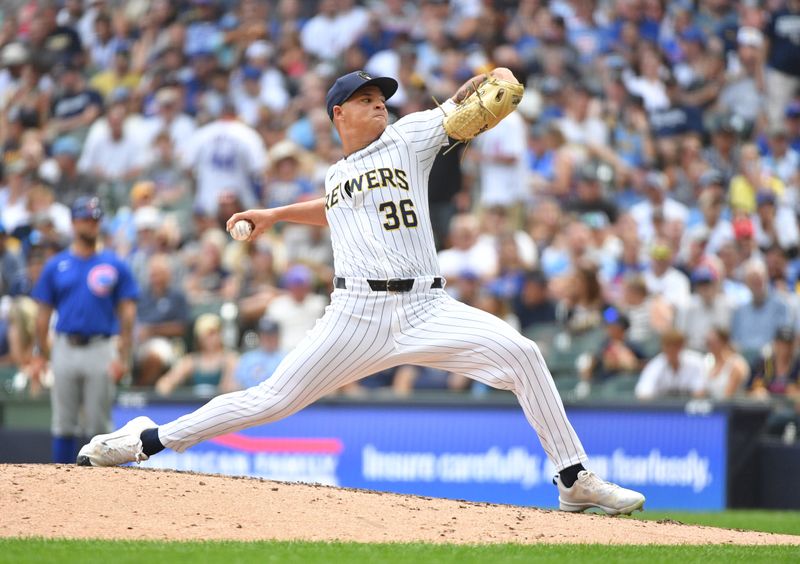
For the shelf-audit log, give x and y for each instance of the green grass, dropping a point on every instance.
(786, 522)
(42, 550)
(20, 551)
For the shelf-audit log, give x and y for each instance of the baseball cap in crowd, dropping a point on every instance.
(613, 316)
(13, 54)
(765, 198)
(749, 36)
(267, 325)
(793, 110)
(660, 251)
(784, 334)
(66, 146)
(595, 220)
(655, 179)
(297, 275)
(251, 73)
(712, 177)
(346, 85)
(147, 217)
(743, 228)
(550, 85)
(259, 50)
(87, 207)
(693, 34)
(167, 95)
(703, 275)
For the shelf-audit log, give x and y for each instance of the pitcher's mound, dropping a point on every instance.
(132, 503)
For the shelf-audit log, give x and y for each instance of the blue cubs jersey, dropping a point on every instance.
(86, 291)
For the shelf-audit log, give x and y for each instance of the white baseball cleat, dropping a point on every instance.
(120, 447)
(589, 490)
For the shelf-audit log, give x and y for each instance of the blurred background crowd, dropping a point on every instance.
(637, 217)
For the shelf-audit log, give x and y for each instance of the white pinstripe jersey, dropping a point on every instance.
(376, 202)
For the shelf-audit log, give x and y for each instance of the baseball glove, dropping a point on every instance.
(490, 102)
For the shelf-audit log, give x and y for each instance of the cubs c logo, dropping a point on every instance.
(102, 279)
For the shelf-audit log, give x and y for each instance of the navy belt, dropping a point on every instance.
(80, 340)
(391, 285)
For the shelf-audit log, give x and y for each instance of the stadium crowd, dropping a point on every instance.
(637, 216)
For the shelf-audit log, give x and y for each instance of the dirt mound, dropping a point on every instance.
(133, 503)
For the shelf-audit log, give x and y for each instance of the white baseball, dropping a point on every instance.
(242, 229)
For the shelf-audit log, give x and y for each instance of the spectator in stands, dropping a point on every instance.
(617, 356)
(649, 314)
(783, 60)
(500, 153)
(171, 183)
(70, 182)
(225, 156)
(75, 106)
(298, 309)
(14, 197)
(321, 34)
(257, 365)
(792, 116)
(662, 278)
(259, 280)
(532, 305)
(723, 152)
(775, 224)
(114, 157)
(162, 321)
(729, 372)
(589, 196)
(464, 253)
(783, 162)
(582, 308)
(752, 180)
(675, 371)
(658, 203)
(12, 265)
(207, 371)
(208, 282)
(744, 92)
(118, 75)
(706, 309)
(711, 202)
(169, 118)
(754, 323)
(776, 372)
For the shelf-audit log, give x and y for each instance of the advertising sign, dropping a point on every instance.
(474, 453)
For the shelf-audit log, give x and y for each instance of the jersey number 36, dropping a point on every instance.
(407, 215)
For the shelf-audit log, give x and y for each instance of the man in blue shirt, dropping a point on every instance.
(94, 295)
(257, 365)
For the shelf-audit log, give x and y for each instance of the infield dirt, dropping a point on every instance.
(133, 503)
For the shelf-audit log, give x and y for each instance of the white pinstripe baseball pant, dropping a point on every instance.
(363, 332)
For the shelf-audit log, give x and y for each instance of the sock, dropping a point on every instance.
(64, 450)
(150, 442)
(570, 474)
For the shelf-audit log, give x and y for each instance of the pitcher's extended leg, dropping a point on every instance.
(452, 336)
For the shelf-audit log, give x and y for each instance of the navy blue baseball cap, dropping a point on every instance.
(87, 207)
(346, 85)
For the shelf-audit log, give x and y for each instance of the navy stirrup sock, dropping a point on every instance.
(150, 443)
(570, 474)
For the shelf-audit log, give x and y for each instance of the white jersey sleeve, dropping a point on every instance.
(424, 132)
